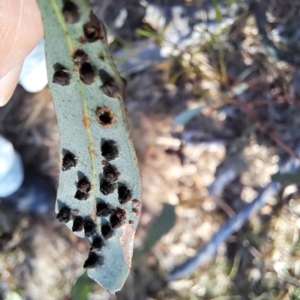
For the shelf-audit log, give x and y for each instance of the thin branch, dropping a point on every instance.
(231, 225)
(277, 140)
(251, 115)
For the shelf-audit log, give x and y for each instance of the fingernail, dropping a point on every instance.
(8, 84)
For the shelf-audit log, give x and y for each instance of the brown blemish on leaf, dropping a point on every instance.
(126, 241)
(136, 203)
(81, 40)
(109, 150)
(86, 123)
(68, 162)
(80, 57)
(121, 213)
(70, 12)
(94, 30)
(105, 116)
(85, 120)
(86, 73)
(92, 151)
(124, 194)
(61, 77)
(110, 88)
(106, 187)
(115, 221)
(110, 172)
(135, 212)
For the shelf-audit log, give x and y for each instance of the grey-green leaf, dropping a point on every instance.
(161, 226)
(82, 288)
(187, 115)
(287, 178)
(238, 89)
(88, 97)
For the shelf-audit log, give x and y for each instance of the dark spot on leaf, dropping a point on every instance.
(83, 188)
(104, 116)
(115, 222)
(70, 12)
(94, 30)
(124, 194)
(121, 213)
(135, 211)
(104, 209)
(111, 173)
(61, 77)
(64, 214)
(80, 57)
(106, 187)
(68, 162)
(86, 72)
(77, 224)
(117, 219)
(93, 261)
(110, 88)
(97, 244)
(130, 222)
(101, 56)
(84, 185)
(107, 231)
(109, 150)
(81, 196)
(89, 228)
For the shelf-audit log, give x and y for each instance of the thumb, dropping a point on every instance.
(8, 83)
(20, 30)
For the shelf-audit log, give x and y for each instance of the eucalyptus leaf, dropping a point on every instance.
(287, 178)
(82, 288)
(99, 193)
(161, 226)
(187, 115)
(238, 89)
(273, 53)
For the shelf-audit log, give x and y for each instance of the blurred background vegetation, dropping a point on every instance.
(214, 111)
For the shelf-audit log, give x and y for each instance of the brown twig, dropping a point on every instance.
(248, 107)
(277, 140)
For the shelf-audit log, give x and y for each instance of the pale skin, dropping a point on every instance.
(20, 30)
